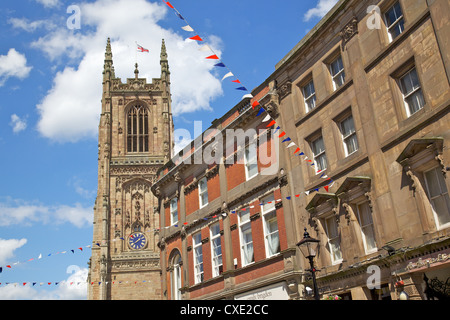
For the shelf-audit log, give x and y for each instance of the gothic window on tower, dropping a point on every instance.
(137, 129)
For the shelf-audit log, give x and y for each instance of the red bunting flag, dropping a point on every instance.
(212, 57)
(254, 104)
(297, 150)
(196, 38)
(326, 188)
(271, 123)
(168, 3)
(282, 134)
(237, 81)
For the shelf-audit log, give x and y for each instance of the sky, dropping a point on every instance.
(51, 62)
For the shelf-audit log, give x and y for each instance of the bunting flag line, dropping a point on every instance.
(243, 88)
(69, 283)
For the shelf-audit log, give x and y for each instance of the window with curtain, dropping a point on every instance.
(173, 211)
(337, 72)
(198, 257)
(245, 231)
(251, 164)
(203, 192)
(272, 239)
(349, 135)
(334, 244)
(438, 194)
(176, 277)
(367, 229)
(137, 129)
(216, 250)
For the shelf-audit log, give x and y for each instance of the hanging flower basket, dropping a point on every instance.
(335, 297)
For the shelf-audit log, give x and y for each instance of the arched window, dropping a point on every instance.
(137, 129)
(175, 276)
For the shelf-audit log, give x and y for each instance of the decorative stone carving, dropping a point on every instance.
(284, 90)
(349, 31)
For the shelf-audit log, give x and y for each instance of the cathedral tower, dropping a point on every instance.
(135, 139)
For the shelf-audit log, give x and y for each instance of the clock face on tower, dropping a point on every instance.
(137, 241)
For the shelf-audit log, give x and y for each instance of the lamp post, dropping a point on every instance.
(308, 246)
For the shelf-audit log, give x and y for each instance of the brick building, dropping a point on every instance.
(225, 231)
(366, 94)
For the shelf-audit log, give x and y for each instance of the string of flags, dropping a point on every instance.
(272, 124)
(69, 283)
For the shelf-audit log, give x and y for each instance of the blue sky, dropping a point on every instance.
(50, 89)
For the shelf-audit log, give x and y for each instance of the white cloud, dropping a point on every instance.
(13, 64)
(28, 26)
(321, 9)
(17, 123)
(70, 110)
(48, 3)
(7, 248)
(13, 212)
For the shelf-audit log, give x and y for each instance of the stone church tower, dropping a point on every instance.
(135, 139)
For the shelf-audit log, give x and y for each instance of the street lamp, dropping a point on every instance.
(308, 246)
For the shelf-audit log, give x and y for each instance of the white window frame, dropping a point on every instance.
(268, 209)
(252, 161)
(345, 138)
(442, 194)
(198, 275)
(412, 92)
(246, 224)
(329, 240)
(202, 192)
(311, 97)
(393, 24)
(372, 225)
(173, 211)
(215, 258)
(176, 278)
(320, 154)
(338, 74)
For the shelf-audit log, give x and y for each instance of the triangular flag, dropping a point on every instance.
(40, 256)
(291, 145)
(271, 123)
(326, 188)
(168, 3)
(197, 37)
(212, 57)
(260, 111)
(276, 129)
(296, 150)
(287, 139)
(236, 81)
(282, 134)
(229, 74)
(187, 28)
(242, 88)
(205, 48)
(220, 64)
(254, 104)
(267, 118)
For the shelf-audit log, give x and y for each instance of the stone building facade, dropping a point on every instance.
(366, 93)
(135, 139)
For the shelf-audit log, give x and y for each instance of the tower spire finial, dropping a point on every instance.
(163, 51)
(136, 71)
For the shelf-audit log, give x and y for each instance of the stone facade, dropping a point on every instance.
(386, 153)
(135, 139)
